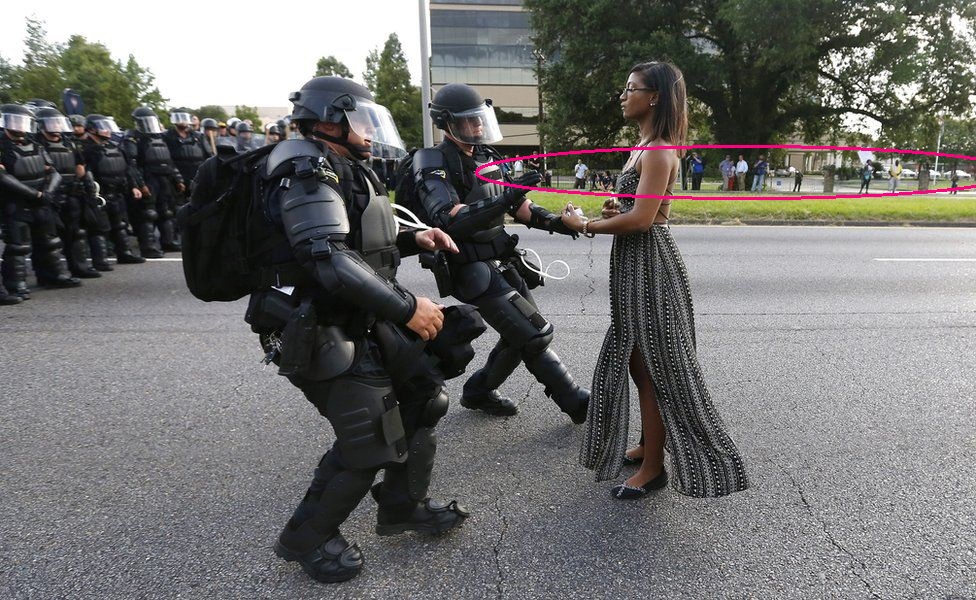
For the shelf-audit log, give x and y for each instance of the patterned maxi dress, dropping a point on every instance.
(651, 308)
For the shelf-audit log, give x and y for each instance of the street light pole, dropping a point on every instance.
(425, 72)
(938, 144)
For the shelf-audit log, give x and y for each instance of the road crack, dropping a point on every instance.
(855, 562)
(589, 279)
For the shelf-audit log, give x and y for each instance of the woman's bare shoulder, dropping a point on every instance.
(657, 161)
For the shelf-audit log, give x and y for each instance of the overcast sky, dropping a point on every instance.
(223, 52)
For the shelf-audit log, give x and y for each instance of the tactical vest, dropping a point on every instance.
(378, 233)
(187, 152)
(154, 155)
(63, 157)
(27, 164)
(111, 167)
(492, 242)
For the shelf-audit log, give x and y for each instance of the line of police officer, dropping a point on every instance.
(77, 189)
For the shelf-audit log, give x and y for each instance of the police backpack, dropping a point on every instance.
(218, 228)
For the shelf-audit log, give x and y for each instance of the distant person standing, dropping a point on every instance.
(741, 168)
(955, 182)
(697, 170)
(797, 180)
(727, 169)
(759, 174)
(581, 170)
(519, 168)
(894, 175)
(866, 174)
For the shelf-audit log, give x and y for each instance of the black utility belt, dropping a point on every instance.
(160, 170)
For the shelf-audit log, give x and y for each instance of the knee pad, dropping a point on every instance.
(471, 280)
(19, 249)
(540, 343)
(435, 409)
(49, 243)
(366, 419)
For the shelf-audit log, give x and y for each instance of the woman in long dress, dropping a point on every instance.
(652, 329)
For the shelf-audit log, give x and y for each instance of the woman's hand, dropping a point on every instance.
(610, 208)
(570, 219)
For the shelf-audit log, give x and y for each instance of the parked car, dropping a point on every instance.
(909, 174)
(960, 173)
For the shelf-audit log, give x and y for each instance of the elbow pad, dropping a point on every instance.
(344, 273)
(475, 217)
(434, 191)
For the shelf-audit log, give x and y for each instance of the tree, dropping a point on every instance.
(40, 76)
(765, 70)
(106, 85)
(388, 77)
(330, 65)
(213, 111)
(249, 112)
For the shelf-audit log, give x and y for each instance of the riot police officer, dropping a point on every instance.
(245, 137)
(116, 179)
(210, 133)
(273, 136)
(76, 189)
(29, 223)
(160, 181)
(487, 272)
(187, 147)
(352, 338)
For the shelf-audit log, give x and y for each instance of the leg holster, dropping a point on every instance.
(516, 320)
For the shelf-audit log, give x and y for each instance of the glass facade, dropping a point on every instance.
(481, 47)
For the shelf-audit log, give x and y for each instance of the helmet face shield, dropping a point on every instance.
(55, 125)
(149, 124)
(180, 118)
(105, 127)
(373, 122)
(17, 123)
(476, 126)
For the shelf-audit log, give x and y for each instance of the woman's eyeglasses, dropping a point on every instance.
(628, 90)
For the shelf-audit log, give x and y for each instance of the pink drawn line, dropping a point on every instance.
(728, 198)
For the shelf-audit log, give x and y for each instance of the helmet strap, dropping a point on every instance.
(356, 151)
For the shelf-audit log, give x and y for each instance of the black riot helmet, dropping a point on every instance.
(35, 103)
(274, 130)
(101, 126)
(16, 120)
(460, 111)
(208, 123)
(50, 120)
(349, 104)
(146, 120)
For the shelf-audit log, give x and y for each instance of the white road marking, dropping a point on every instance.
(925, 259)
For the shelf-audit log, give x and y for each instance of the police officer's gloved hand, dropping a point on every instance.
(47, 199)
(514, 196)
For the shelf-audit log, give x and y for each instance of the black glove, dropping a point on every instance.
(514, 196)
(540, 218)
(47, 199)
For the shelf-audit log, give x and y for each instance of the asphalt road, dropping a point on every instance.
(145, 453)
